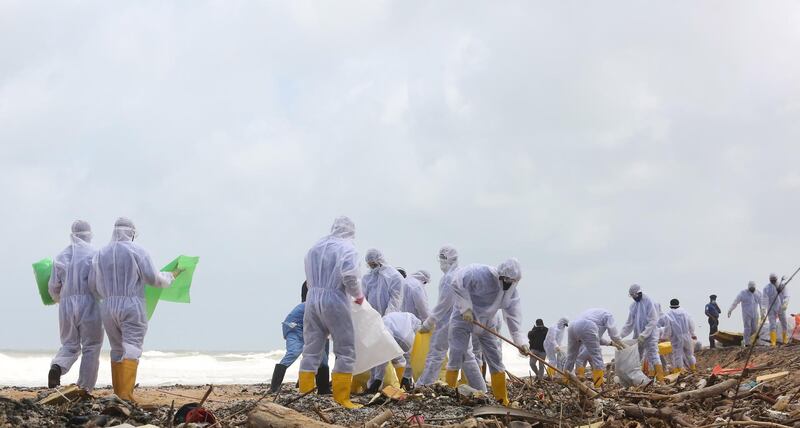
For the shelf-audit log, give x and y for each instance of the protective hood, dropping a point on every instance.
(563, 322)
(81, 231)
(422, 276)
(634, 290)
(343, 228)
(375, 256)
(124, 230)
(510, 269)
(448, 258)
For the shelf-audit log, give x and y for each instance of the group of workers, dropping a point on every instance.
(104, 289)
(101, 290)
(471, 301)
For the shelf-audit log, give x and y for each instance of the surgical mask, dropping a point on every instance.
(751, 289)
(637, 297)
(507, 283)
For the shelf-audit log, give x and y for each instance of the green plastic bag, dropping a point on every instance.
(178, 292)
(42, 271)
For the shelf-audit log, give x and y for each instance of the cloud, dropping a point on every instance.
(598, 149)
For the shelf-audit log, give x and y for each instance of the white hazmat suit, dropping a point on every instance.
(80, 324)
(553, 342)
(403, 326)
(679, 328)
(120, 271)
(481, 291)
(750, 298)
(585, 334)
(415, 298)
(643, 323)
(383, 284)
(776, 312)
(439, 322)
(332, 278)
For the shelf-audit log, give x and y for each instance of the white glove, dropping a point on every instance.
(641, 339)
(524, 350)
(427, 326)
(468, 316)
(784, 306)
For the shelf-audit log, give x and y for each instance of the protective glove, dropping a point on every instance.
(427, 326)
(641, 339)
(468, 316)
(359, 300)
(784, 306)
(524, 349)
(558, 349)
(619, 344)
(176, 272)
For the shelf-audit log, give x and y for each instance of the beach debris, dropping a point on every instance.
(63, 395)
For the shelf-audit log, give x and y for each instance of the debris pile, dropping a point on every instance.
(768, 396)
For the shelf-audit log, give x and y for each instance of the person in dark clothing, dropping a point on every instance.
(712, 312)
(536, 341)
(293, 334)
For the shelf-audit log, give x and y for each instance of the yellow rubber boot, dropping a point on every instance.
(773, 338)
(115, 366)
(307, 380)
(499, 387)
(550, 372)
(660, 373)
(400, 370)
(580, 372)
(675, 370)
(785, 338)
(127, 378)
(451, 377)
(598, 377)
(340, 385)
(693, 368)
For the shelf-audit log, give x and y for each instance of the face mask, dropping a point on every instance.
(444, 265)
(507, 283)
(751, 289)
(637, 297)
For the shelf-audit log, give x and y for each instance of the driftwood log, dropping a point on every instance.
(699, 394)
(271, 415)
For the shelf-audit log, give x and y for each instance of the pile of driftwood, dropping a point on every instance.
(767, 394)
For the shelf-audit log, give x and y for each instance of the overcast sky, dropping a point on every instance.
(600, 143)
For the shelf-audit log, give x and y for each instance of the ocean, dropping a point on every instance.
(159, 368)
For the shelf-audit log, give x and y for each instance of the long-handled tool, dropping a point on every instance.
(585, 390)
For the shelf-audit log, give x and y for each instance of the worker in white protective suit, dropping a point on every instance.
(415, 301)
(439, 322)
(552, 345)
(679, 329)
(332, 278)
(403, 326)
(776, 311)
(383, 284)
(752, 311)
(79, 320)
(643, 323)
(481, 291)
(585, 334)
(119, 273)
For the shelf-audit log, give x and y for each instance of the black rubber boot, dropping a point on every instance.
(375, 387)
(323, 380)
(54, 376)
(277, 377)
(406, 384)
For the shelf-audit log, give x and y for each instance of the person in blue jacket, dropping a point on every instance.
(293, 334)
